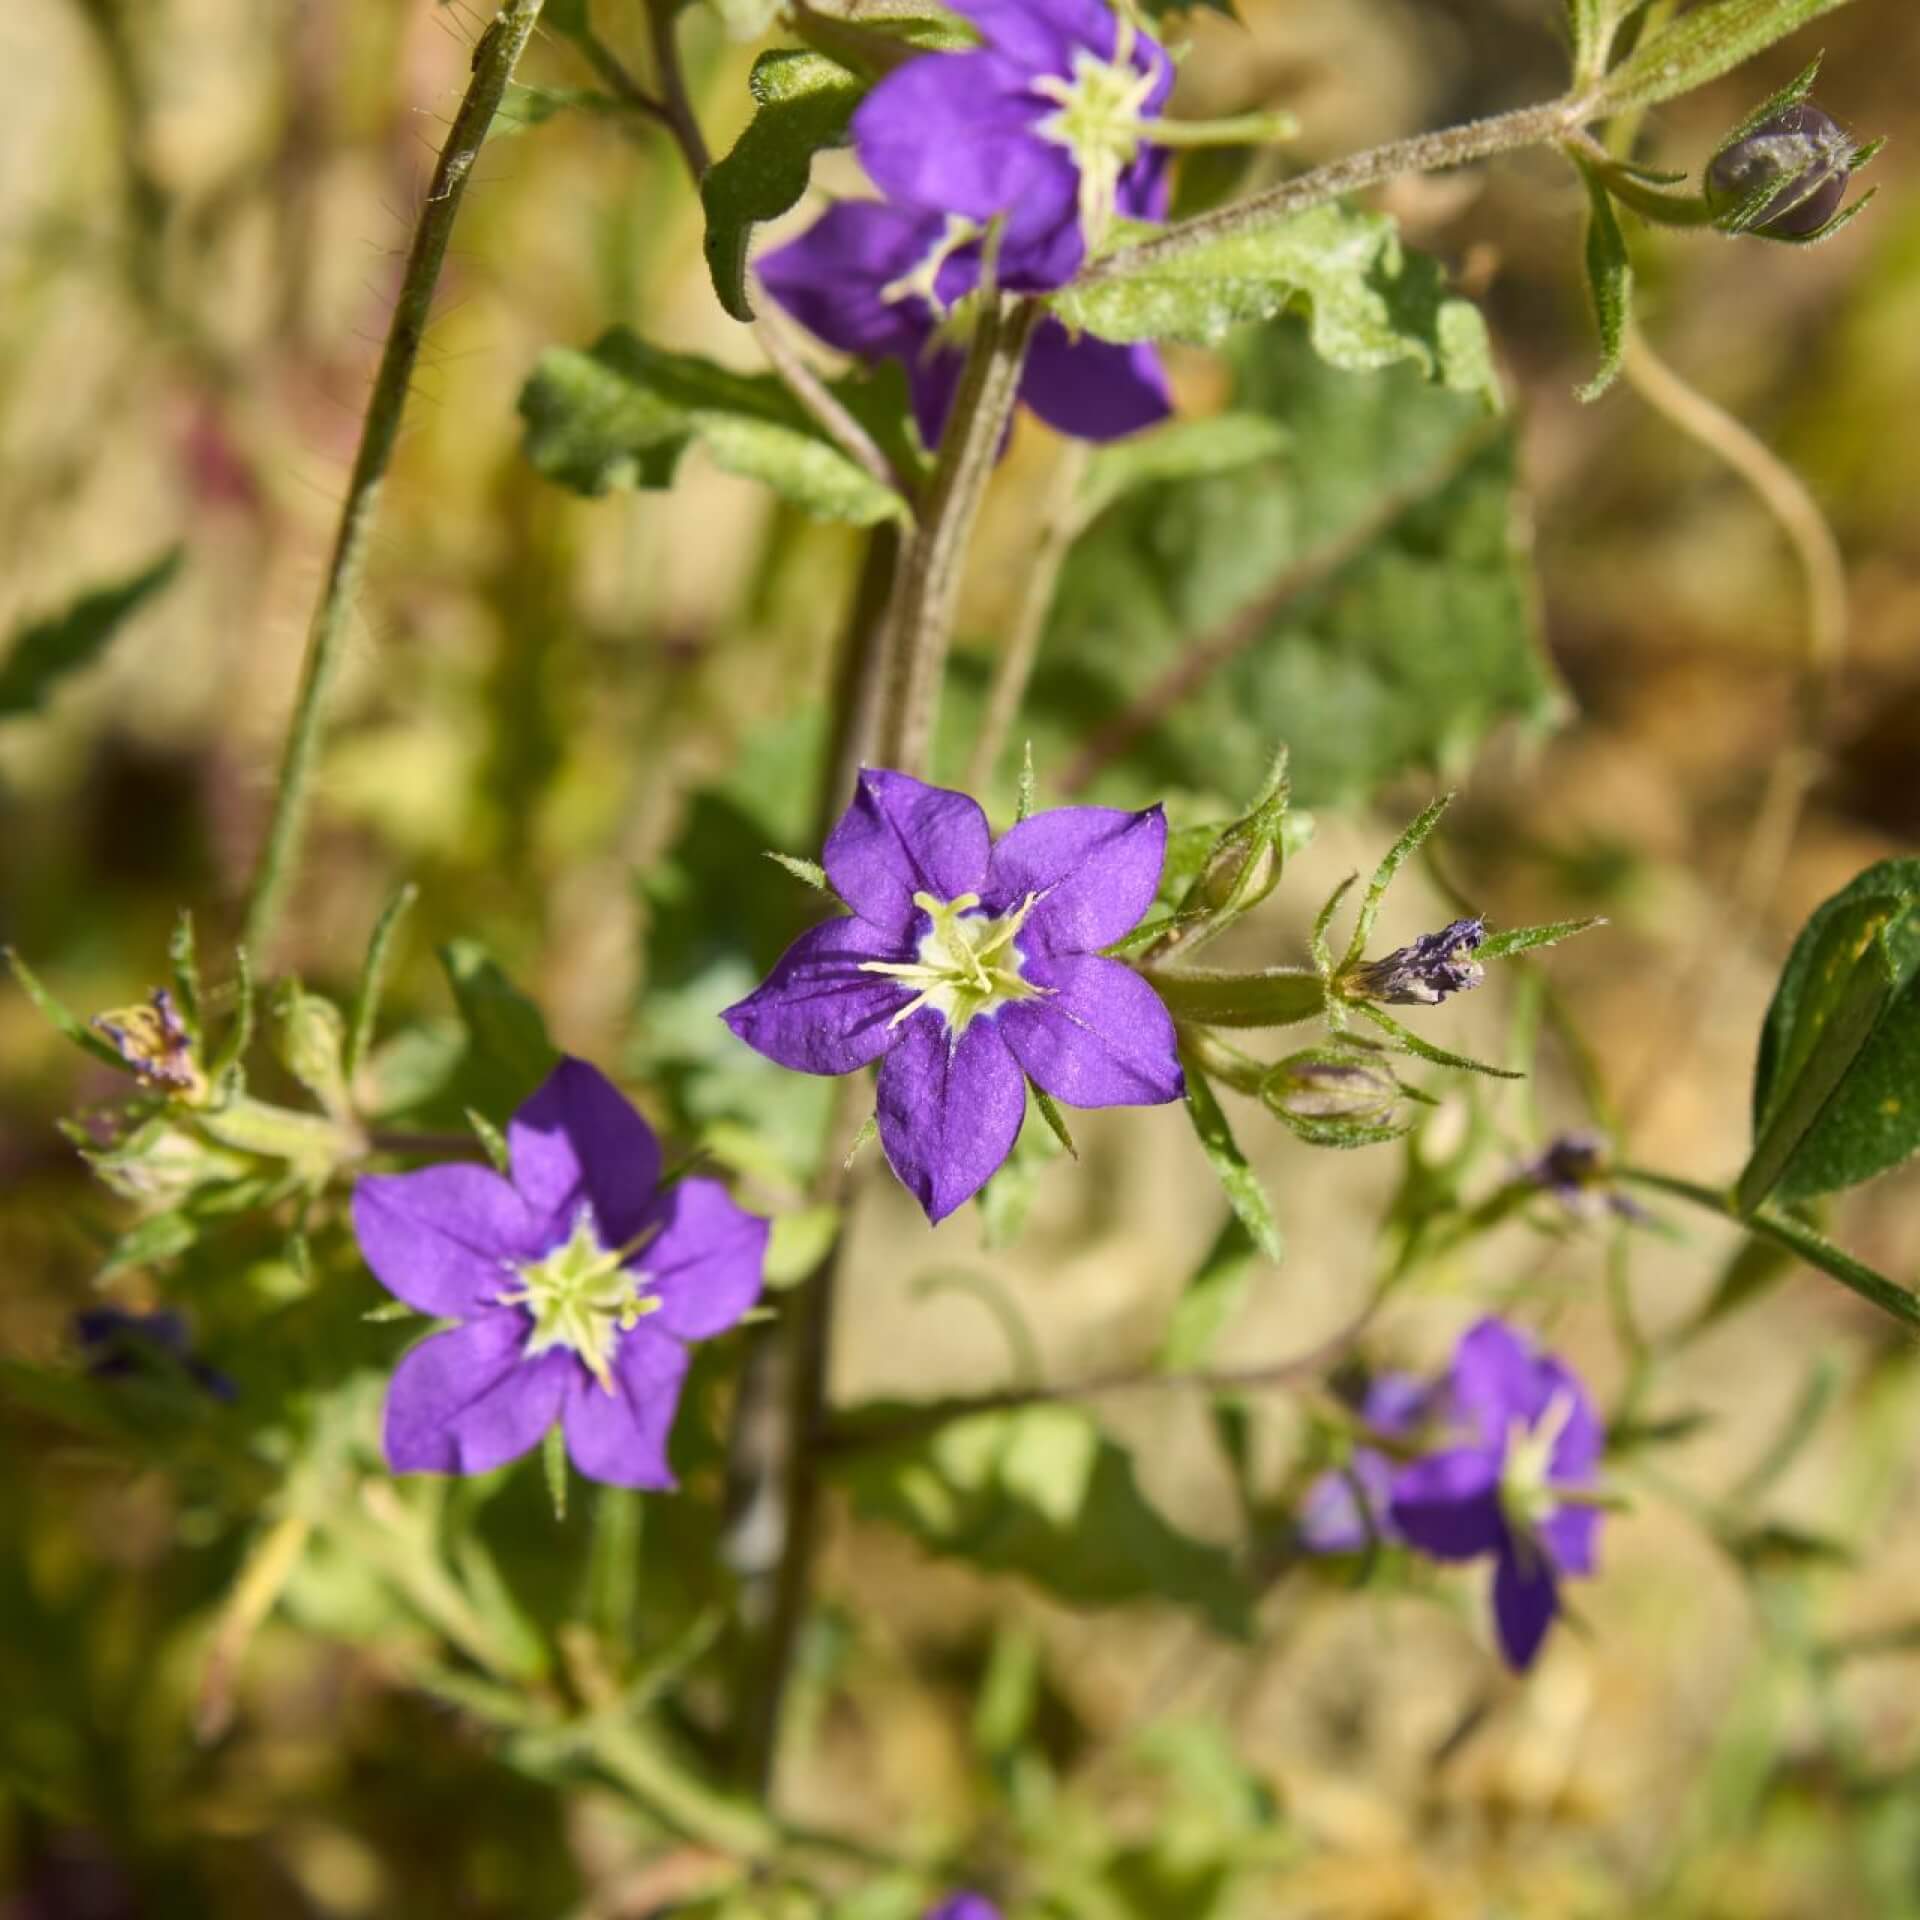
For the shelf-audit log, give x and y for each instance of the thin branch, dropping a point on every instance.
(1422, 153)
(684, 124)
(1309, 574)
(1015, 668)
(494, 59)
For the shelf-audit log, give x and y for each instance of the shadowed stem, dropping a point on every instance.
(1015, 669)
(1422, 153)
(494, 59)
(927, 586)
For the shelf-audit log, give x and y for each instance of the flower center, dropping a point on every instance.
(1528, 1497)
(582, 1296)
(1098, 122)
(967, 965)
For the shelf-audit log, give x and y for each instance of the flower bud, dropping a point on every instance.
(1312, 1086)
(310, 1039)
(161, 1161)
(1784, 178)
(1240, 876)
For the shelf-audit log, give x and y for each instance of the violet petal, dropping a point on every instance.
(1097, 1036)
(467, 1400)
(578, 1139)
(816, 1012)
(439, 1239)
(705, 1264)
(1092, 389)
(901, 837)
(1448, 1504)
(621, 1437)
(1095, 871)
(949, 1112)
(1525, 1599)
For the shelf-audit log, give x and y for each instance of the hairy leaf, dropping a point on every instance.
(1238, 1181)
(45, 652)
(1610, 281)
(621, 415)
(1370, 302)
(1700, 46)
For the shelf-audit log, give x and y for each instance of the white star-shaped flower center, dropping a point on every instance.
(967, 963)
(582, 1297)
(1098, 120)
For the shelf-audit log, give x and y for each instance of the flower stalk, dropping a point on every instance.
(494, 59)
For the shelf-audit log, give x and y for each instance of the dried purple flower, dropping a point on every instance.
(153, 1040)
(967, 967)
(578, 1284)
(1426, 972)
(1520, 1486)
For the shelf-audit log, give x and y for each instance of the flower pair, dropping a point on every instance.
(1516, 1479)
(1004, 162)
(967, 967)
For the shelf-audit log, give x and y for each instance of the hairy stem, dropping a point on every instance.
(1422, 153)
(927, 587)
(1016, 664)
(494, 60)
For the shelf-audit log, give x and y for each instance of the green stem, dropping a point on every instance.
(1423, 153)
(1274, 997)
(927, 586)
(494, 59)
(1798, 1238)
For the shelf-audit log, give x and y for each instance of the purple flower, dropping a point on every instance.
(1045, 126)
(1426, 972)
(878, 281)
(125, 1346)
(577, 1285)
(1349, 1509)
(963, 1906)
(1573, 1168)
(972, 965)
(1518, 1487)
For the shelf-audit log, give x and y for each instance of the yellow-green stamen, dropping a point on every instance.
(582, 1297)
(967, 964)
(1099, 123)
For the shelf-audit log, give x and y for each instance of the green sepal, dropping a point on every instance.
(1397, 856)
(809, 871)
(553, 1461)
(1238, 1181)
(1425, 1049)
(59, 1018)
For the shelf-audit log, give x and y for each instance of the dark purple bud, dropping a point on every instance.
(1425, 973)
(1803, 154)
(153, 1041)
(122, 1345)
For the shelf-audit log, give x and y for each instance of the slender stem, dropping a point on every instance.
(668, 76)
(819, 400)
(1016, 664)
(858, 681)
(1422, 153)
(1798, 1238)
(494, 59)
(620, 83)
(927, 587)
(1311, 572)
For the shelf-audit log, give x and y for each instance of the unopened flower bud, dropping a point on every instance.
(1425, 973)
(153, 1040)
(1801, 152)
(1239, 877)
(311, 1038)
(1311, 1087)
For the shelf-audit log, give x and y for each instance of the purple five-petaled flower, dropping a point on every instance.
(878, 282)
(1519, 1485)
(1046, 128)
(967, 967)
(577, 1283)
(1349, 1509)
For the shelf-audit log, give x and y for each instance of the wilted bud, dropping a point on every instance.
(311, 1038)
(1311, 1086)
(1426, 972)
(1785, 178)
(153, 1040)
(1573, 1168)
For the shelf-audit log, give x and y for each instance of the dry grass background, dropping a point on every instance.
(199, 214)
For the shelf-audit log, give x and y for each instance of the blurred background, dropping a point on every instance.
(574, 723)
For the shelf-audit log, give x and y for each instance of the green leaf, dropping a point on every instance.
(523, 107)
(1609, 280)
(804, 102)
(1369, 600)
(1042, 1493)
(1370, 301)
(621, 415)
(1237, 1179)
(59, 1017)
(1426, 1050)
(373, 977)
(1835, 1099)
(509, 1051)
(1700, 46)
(1215, 1293)
(1396, 856)
(1503, 946)
(809, 871)
(1182, 450)
(45, 652)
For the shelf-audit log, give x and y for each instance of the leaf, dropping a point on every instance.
(804, 102)
(808, 871)
(59, 1017)
(373, 977)
(1609, 280)
(1700, 46)
(1369, 600)
(1182, 450)
(1370, 301)
(45, 652)
(1237, 1179)
(1426, 1050)
(509, 1053)
(1211, 1298)
(523, 107)
(1042, 1493)
(621, 415)
(1834, 1100)
(1411, 840)
(1515, 940)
